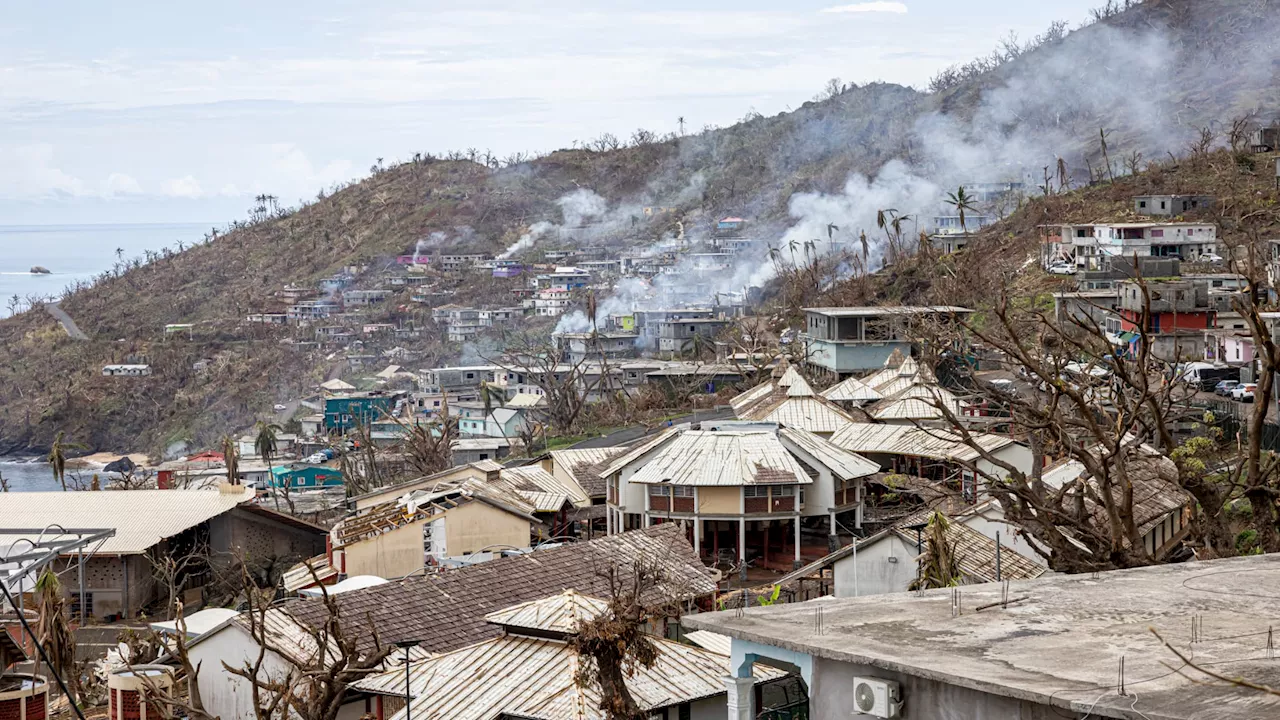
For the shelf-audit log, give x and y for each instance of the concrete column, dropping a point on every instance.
(796, 522)
(833, 540)
(741, 698)
(697, 535)
(742, 546)
(647, 520)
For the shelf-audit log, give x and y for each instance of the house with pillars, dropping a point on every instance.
(740, 489)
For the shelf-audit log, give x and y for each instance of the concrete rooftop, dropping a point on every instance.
(1061, 646)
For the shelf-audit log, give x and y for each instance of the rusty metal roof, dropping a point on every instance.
(976, 555)
(842, 463)
(724, 458)
(938, 444)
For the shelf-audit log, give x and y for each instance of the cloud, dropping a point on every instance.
(183, 187)
(120, 184)
(869, 7)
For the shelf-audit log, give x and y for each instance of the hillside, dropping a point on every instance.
(1152, 76)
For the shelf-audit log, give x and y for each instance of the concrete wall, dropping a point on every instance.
(117, 585)
(846, 359)
(820, 496)
(475, 526)
(885, 566)
(831, 696)
(226, 695)
(388, 555)
(720, 500)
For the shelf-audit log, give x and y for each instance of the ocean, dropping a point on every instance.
(31, 474)
(74, 252)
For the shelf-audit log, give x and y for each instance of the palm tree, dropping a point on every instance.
(265, 445)
(58, 458)
(961, 201)
(230, 458)
(53, 631)
(940, 567)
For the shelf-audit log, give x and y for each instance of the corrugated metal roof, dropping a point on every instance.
(640, 449)
(869, 438)
(842, 463)
(558, 613)
(707, 640)
(798, 388)
(752, 396)
(1155, 490)
(815, 414)
(141, 518)
(976, 555)
(916, 402)
(300, 576)
(585, 464)
(724, 458)
(545, 501)
(851, 389)
(535, 678)
(790, 377)
(532, 478)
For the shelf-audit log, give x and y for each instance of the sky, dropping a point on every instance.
(160, 111)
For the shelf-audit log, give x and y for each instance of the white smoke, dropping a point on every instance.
(527, 240)
(580, 206)
(629, 294)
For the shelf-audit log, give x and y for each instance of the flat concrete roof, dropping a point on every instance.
(887, 310)
(1063, 644)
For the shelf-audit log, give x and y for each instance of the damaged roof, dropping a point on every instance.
(937, 444)
(722, 458)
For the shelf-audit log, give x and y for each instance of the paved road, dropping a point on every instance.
(631, 434)
(67, 323)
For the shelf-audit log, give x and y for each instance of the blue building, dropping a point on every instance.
(847, 340)
(305, 477)
(349, 410)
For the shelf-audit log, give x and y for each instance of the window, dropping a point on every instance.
(1142, 203)
(682, 490)
(784, 490)
(1163, 204)
(471, 376)
(77, 599)
(484, 456)
(753, 491)
(657, 490)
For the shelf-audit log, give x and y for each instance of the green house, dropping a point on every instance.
(305, 477)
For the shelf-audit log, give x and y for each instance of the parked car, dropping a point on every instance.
(1062, 269)
(1244, 392)
(281, 408)
(1211, 258)
(1224, 387)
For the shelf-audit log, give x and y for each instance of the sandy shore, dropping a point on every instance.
(100, 460)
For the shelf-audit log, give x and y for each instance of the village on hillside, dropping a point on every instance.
(1011, 451)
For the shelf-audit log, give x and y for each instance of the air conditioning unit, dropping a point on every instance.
(877, 698)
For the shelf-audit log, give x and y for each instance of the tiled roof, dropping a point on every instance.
(446, 611)
(1155, 490)
(585, 465)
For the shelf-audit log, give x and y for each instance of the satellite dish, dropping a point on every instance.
(865, 697)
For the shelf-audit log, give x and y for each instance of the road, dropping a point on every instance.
(635, 432)
(67, 323)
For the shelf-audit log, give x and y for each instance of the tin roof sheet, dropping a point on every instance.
(557, 613)
(532, 478)
(141, 518)
(516, 676)
(867, 438)
(815, 414)
(851, 390)
(584, 465)
(731, 458)
(842, 463)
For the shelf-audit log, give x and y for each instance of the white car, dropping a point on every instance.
(1244, 392)
(1211, 258)
(1062, 269)
(281, 408)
